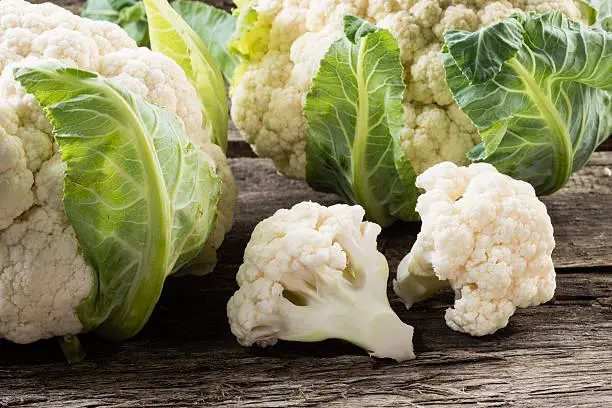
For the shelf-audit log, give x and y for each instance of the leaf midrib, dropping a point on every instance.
(155, 256)
(563, 153)
(360, 176)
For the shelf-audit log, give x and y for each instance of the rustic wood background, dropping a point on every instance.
(554, 355)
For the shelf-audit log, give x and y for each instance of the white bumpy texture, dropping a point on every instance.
(43, 276)
(267, 100)
(299, 241)
(490, 237)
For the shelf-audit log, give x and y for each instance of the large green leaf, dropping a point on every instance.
(139, 195)
(215, 27)
(354, 115)
(542, 111)
(129, 14)
(172, 36)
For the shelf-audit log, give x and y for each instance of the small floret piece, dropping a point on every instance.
(313, 273)
(488, 237)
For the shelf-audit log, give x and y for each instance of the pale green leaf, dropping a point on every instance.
(139, 195)
(172, 36)
(548, 107)
(129, 14)
(354, 115)
(215, 27)
(602, 16)
(480, 55)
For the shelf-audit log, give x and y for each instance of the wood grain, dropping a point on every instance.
(580, 212)
(556, 355)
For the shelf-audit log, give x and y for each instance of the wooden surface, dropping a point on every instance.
(554, 355)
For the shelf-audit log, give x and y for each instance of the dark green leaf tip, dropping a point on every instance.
(355, 28)
(481, 54)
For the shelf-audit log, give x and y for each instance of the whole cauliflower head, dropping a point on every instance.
(487, 236)
(270, 88)
(43, 275)
(312, 273)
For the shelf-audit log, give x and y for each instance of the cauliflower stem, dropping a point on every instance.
(418, 281)
(358, 312)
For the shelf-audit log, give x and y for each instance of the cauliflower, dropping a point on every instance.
(488, 237)
(313, 273)
(291, 36)
(43, 275)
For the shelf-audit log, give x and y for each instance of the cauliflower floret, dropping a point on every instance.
(312, 273)
(267, 100)
(157, 79)
(427, 140)
(38, 248)
(43, 276)
(15, 180)
(488, 237)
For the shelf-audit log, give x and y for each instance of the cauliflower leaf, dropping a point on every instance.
(139, 195)
(215, 27)
(129, 14)
(539, 97)
(172, 36)
(602, 15)
(354, 116)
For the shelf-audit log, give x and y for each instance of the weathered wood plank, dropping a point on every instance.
(558, 354)
(580, 212)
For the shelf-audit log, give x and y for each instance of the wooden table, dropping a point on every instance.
(555, 355)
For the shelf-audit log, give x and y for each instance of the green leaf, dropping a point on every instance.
(129, 14)
(548, 106)
(250, 40)
(480, 55)
(215, 27)
(172, 36)
(354, 115)
(587, 11)
(139, 195)
(601, 15)
(252, 32)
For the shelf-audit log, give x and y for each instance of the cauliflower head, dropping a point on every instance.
(291, 36)
(488, 237)
(43, 275)
(312, 273)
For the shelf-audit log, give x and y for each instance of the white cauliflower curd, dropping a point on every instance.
(312, 273)
(270, 88)
(485, 235)
(43, 275)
